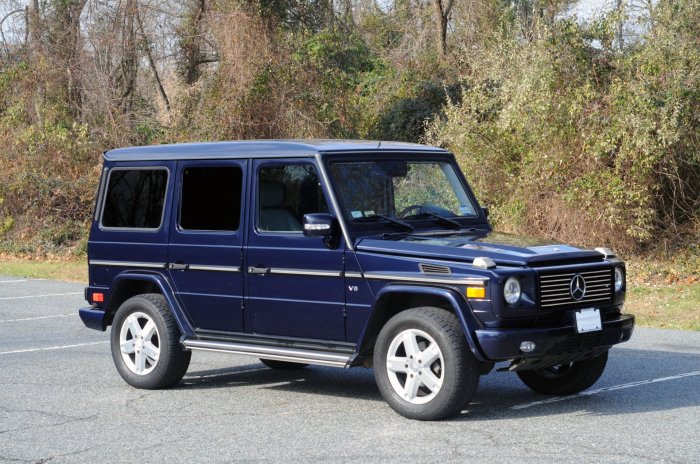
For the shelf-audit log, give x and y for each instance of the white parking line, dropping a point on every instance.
(38, 296)
(18, 280)
(37, 318)
(606, 389)
(51, 348)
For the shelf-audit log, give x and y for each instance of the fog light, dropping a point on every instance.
(527, 346)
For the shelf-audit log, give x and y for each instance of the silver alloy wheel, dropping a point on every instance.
(415, 366)
(139, 342)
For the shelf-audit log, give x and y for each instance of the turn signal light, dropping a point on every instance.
(98, 297)
(476, 292)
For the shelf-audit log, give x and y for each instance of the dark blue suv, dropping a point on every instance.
(344, 254)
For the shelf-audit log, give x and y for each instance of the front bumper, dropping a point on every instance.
(553, 344)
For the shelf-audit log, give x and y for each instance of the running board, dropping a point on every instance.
(323, 358)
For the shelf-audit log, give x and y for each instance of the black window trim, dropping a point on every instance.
(165, 199)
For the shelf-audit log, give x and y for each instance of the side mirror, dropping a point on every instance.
(318, 225)
(485, 209)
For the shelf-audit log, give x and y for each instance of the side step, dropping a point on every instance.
(323, 358)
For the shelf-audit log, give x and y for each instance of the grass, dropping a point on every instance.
(69, 270)
(667, 302)
(667, 307)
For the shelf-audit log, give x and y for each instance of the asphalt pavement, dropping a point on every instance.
(61, 400)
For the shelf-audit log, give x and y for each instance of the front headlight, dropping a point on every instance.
(619, 279)
(511, 291)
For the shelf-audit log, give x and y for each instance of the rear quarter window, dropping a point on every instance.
(135, 198)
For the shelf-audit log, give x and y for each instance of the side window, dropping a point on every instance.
(135, 198)
(285, 194)
(211, 198)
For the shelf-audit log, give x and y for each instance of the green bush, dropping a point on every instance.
(581, 143)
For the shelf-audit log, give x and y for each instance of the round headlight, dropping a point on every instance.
(511, 291)
(619, 279)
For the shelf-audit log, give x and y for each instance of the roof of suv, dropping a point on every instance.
(259, 148)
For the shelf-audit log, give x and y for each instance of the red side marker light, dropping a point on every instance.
(98, 297)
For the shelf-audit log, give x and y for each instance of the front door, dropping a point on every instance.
(295, 283)
(206, 241)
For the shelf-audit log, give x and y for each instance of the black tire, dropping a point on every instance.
(567, 379)
(458, 368)
(282, 365)
(172, 362)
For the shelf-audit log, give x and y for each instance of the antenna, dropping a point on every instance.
(379, 145)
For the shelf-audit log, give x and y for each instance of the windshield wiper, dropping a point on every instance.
(392, 221)
(440, 219)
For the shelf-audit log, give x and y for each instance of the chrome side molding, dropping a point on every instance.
(97, 262)
(422, 278)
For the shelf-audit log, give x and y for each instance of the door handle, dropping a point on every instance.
(258, 270)
(178, 266)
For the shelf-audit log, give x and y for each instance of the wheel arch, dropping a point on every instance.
(129, 284)
(395, 298)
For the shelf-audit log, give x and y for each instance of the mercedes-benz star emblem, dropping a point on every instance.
(577, 287)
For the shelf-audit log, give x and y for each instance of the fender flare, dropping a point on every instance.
(458, 303)
(166, 290)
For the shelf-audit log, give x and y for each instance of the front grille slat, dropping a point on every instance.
(589, 289)
(555, 287)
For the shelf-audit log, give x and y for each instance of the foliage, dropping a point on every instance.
(581, 136)
(564, 129)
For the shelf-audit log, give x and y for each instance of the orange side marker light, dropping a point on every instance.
(476, 292)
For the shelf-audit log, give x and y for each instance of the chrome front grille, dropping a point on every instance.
(555, 289)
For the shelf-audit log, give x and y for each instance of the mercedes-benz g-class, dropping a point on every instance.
(344, 254)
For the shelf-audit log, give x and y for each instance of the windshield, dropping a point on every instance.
(398, 191)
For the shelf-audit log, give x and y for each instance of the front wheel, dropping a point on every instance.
(422, 364)
(145, 343)
(565, 379)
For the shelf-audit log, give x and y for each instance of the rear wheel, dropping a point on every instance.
(145, 343)
(565, 379)
(422, 364)
(282, 365)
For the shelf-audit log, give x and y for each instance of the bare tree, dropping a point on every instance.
(191, 42)
(443, 8)
(146, 45)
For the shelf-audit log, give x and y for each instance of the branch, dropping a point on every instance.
(2, 34)
(151, 63)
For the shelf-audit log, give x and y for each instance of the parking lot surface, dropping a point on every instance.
(61, 400)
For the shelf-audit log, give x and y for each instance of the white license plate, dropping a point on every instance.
(588, 320)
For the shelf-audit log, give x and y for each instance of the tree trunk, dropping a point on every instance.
(191, 42)
(443, 8)
(620, 22)
(66, 45)
(129, 61)
(146, 44)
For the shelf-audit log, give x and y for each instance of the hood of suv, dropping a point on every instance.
(504, 249)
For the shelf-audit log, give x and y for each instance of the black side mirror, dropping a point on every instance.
(485, 209)
(318, 225)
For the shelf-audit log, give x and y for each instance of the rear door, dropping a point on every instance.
(206, 240)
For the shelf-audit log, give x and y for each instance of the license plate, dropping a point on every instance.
(588, 320)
